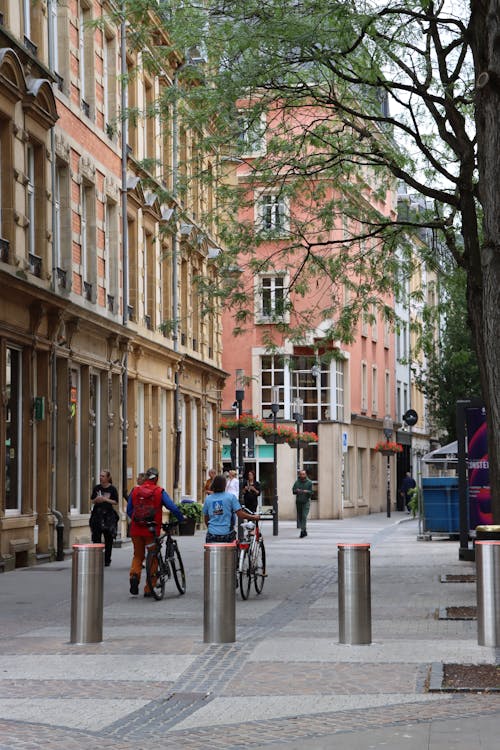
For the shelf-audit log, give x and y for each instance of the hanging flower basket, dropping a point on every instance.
(303, 439)
(274, 438)
(388, 448)
(241, 427)
(282, 433)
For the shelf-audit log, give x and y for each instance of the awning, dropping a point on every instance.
(446, 454)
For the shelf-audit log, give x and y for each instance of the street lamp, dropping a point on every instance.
(388, 426)
(298, 416)
(239, 396)
(275, 407)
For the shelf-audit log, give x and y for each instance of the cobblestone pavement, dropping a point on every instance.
(285, 683)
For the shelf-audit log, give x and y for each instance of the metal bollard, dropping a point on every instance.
(355, 618)
(87, 591)
(488, 593)
(219, 612)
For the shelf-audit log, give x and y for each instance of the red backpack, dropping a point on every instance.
(146, 504)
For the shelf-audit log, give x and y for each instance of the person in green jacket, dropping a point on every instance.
(302, 489)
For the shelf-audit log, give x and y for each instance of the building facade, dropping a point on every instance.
(108, 358)
(346, 389)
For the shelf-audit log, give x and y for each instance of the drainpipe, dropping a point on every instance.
(124, 119)
(53, 284)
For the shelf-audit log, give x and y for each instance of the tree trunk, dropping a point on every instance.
(483, 294)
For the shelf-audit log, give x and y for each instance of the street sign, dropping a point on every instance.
(410, 417)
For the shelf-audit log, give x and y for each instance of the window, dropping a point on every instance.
(273, 213)
(86, 59)
(94, 428)
(364, 387)
(251, 132)
(5, 190)
(272, 297)
(149, 280)
(75, 444)
(374, 389)
(374, 323)
(13, 430)
(111, 254)
(361, 468)
(88, 242)
(387, 392)
(273, 374)
(109, 76)
(53, 37)
(35, 205)
(132, 270)
(337, 395)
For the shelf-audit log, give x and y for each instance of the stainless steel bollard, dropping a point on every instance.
(355, 617)
(87, 593)
(488, 593)
(219, 612)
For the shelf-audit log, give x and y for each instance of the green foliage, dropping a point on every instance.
(192, 510)
(451, 371)
(414, 494)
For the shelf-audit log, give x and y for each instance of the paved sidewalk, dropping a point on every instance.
(285, 683)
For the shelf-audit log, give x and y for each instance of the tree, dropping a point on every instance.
(410, 90)
(451, 371)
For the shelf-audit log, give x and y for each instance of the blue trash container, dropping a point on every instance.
(441, 504)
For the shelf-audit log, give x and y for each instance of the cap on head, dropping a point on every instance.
(152, 473)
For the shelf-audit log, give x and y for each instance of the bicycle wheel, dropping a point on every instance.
(259, 567)
(177, 568)
(245, 574)
(155, 573)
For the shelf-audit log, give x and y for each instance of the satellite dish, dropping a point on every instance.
(410, 417)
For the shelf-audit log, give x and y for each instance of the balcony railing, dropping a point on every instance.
(4, 250)
(87, 291)
(30, 46)
(111, 303)
(85, 108)
(147, 322)
(35, 264)
(130, 312)
(59, 81)
(62, 277)
(183, 339)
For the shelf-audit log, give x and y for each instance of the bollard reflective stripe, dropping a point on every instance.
(355, 627)
(488, 593)
(87, 593)
(219, 611)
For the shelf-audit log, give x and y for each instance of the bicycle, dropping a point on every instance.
(251, 559)
(163, 560)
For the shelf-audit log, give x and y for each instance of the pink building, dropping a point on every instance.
(346, 390)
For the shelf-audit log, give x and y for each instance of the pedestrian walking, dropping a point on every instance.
(303, 490)
(407, 484)
(104, 518)
(233, 483)
(208, 484)
(144, 507)
(219, 510)
(251, 492)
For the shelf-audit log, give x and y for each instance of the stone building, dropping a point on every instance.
(107, 357)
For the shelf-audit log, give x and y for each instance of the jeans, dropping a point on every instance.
(108, 542)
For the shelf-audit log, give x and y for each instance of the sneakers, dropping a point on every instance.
(134, 585)
(148, 594)
(303, 534)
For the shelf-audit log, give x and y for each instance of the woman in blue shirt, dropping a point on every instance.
(219, 510)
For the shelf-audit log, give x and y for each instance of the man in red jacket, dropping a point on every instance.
(144, 506)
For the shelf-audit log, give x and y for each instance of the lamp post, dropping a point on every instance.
(387, 427)
(275, 407)
(239, 396)
(298, 416)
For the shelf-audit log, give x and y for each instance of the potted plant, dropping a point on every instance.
(241, 426)
(302, 439)
(194, 515)
(388, 447)
(282, 433)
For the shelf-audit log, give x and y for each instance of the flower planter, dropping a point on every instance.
(300, 443)
(388, 453)
(234, 433)
(187, 528)
(271, 439)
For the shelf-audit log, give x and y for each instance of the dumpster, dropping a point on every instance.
(441, 505)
